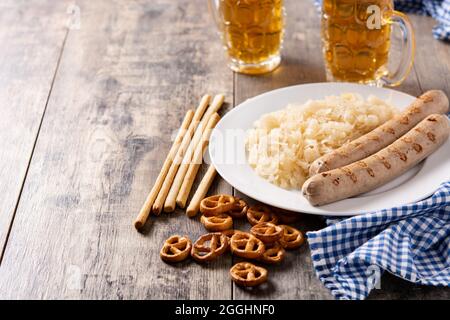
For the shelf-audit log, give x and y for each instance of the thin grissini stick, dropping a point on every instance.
(431, 102)
(146, 208)
(381, 167)
(195, 165)
(158, 204)
(201, 192)
(169, 205)
(215, 106)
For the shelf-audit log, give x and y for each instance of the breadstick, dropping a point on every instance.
(193, 169)
(201, 192)
(145, 211)
(157, 205)
(434, 101)
(381, 167)
(169, 205)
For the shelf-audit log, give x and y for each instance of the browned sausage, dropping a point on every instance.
(431, 102)
(381, 167)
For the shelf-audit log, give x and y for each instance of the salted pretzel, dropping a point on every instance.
(218, 222)
(274, 253)
(217, 204)
(247, 274)
(239, 210)
(209, 246)
(246, 245)
(267, 232)
(292, 238)
(176, 249)
(261, 213)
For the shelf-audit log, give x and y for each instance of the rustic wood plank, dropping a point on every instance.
(302, 63)
(432, 64)
(394, 288)
(126, 79)
(32, 38)
(428, 73)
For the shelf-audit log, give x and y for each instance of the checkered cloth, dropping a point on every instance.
(411, 242)
(438, 9)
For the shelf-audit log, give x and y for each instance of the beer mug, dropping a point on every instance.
(356, 37)
(251, 32)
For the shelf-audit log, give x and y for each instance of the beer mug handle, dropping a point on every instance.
(408, 50)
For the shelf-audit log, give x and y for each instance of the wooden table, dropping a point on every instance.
(87, 113)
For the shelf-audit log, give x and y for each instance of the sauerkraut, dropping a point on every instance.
(282, 145)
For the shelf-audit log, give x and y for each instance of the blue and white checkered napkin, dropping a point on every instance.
(411, 242)
(438, 9)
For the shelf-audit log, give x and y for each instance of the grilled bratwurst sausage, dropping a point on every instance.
(434, 101)
(381, 167)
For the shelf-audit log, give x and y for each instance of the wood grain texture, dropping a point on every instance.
(430, 71)
(125, 81)
(31, 38)
(301, 63)
(432, 64)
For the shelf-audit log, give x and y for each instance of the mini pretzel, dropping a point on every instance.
(246, 245)
(261, 213)
(286, 217)
(274, 253)
(267, 232)
(230, 232)
(239, 209)
(176, 249)
(247, 274)
(209, 246)
(219, 222)
(292, 238)
(217, 204)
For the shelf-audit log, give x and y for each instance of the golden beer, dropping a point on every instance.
(252, 33)
(356, 40)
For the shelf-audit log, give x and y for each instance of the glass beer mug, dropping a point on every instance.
(356, 36)
(251, 32)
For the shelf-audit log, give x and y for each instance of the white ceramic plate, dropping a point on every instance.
(227, 153)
